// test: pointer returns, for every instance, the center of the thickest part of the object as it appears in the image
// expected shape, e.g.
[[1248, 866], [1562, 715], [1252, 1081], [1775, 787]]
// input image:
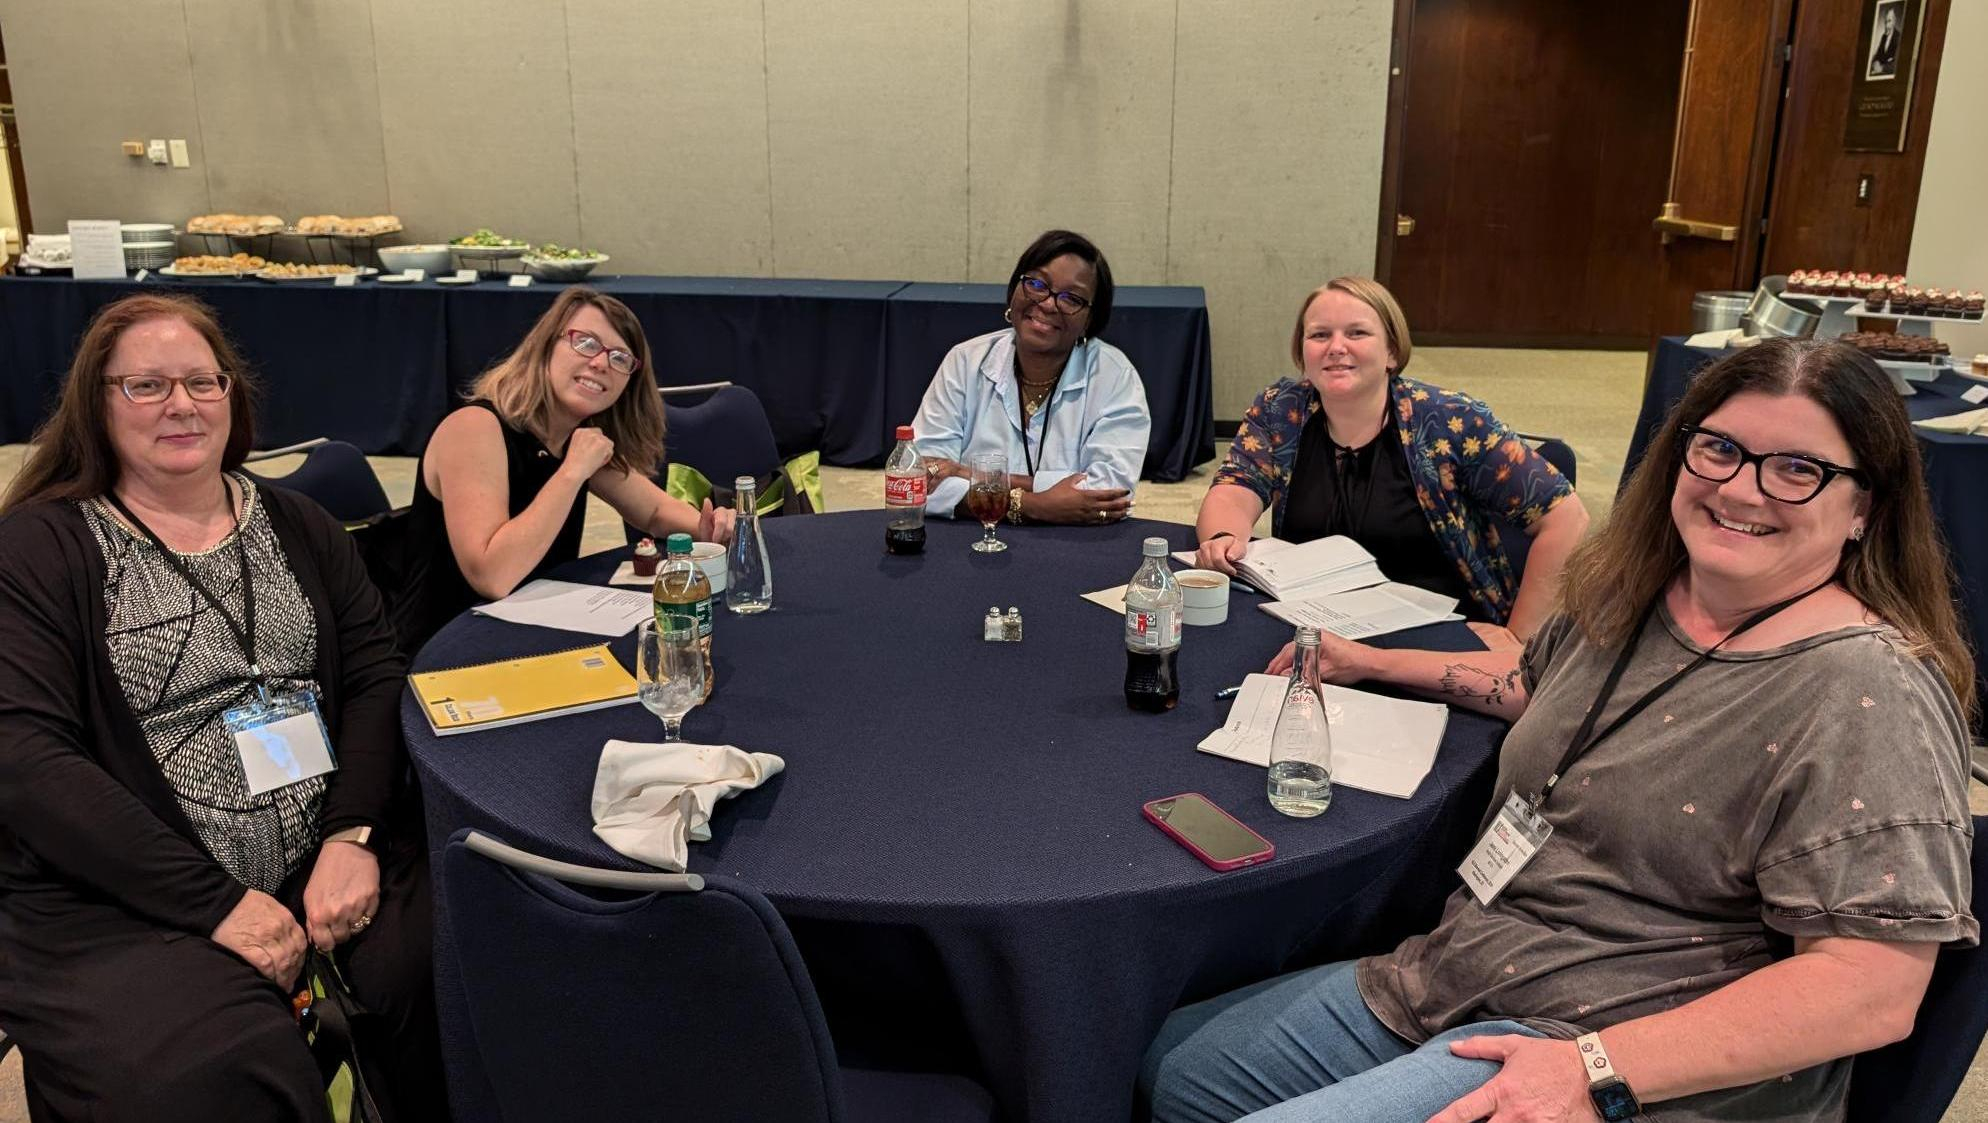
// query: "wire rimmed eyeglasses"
[[1785, 477], [151, 389], [586, 344]]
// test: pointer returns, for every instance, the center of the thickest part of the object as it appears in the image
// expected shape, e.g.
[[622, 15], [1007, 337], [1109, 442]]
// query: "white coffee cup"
[[1204, 595], [710, 557]]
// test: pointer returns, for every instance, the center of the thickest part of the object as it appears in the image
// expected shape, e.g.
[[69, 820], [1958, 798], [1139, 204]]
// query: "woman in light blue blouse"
[[1066, 408]]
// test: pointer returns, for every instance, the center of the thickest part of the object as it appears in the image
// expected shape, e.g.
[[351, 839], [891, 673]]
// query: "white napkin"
[[651, 801], [1973, 421]]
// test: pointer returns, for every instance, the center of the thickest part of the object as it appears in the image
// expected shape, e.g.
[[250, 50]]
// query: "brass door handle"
[[1672, 225], [1404, 225]]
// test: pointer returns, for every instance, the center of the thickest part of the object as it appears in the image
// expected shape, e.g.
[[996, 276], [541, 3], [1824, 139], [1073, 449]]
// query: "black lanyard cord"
[[1581, 743], [244, 632]]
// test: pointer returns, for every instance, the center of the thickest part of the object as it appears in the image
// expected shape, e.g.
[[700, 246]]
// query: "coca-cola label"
[[904, 491]]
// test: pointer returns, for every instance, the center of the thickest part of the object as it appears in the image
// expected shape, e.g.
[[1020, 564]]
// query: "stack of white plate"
[[148, 255], [146, 231]]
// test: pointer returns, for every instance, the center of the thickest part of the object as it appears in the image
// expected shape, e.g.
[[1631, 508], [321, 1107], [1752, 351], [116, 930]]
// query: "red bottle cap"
[[904, 432]]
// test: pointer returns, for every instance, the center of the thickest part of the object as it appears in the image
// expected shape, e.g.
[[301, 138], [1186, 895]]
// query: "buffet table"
[[838, 364]]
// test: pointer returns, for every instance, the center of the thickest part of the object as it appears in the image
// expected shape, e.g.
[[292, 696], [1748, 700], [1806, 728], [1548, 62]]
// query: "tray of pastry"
[[299, 271], [340, 226], [214, 265]]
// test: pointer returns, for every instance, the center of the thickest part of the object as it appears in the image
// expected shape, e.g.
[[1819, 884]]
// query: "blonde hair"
[[519, 385], [1374, 295]]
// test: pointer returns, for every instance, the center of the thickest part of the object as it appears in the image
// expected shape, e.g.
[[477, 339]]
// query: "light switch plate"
[[178, 148]]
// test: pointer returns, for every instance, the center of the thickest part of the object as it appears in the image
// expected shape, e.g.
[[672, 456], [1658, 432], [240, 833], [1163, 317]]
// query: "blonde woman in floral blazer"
[[1413, 472]]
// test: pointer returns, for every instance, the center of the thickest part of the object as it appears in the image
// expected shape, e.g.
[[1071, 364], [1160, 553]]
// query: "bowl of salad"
[[487, 243], [552, 262]]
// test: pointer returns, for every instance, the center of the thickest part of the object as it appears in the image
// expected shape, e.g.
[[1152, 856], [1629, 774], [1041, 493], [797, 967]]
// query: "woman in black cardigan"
[[158, 885]]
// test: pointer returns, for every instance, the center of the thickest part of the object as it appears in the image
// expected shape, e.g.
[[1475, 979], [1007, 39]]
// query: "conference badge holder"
[[281, 740], [1513, 838]]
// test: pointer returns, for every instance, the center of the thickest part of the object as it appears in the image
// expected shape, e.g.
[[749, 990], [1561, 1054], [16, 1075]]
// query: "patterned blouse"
[[180, 667], [1466, 464]]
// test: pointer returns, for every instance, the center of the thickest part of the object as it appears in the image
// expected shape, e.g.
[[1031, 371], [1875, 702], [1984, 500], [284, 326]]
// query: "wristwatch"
[[359, 835], [1610, 1093], [1015, 505]]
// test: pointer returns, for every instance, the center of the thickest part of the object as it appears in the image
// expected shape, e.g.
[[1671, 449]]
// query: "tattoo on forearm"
[[1465, 681]]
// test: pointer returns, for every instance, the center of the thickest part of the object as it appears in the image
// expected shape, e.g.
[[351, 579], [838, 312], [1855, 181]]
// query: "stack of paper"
[[1365, 613], [573, 608], [1379, 744]]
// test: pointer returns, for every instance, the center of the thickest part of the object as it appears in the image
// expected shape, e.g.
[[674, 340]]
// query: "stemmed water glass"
[[670, 670], [987, 497]]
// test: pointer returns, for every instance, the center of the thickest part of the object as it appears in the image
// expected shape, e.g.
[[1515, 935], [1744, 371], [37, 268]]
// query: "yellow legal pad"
[[509, 691]]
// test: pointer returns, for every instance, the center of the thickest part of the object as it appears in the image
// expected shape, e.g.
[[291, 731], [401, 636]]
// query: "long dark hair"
[[1899, 570], [1054, 244], [72, 457], [520, 384]]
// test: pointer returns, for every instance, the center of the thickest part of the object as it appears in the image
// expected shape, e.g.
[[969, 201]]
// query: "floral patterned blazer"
[[1466, 464]]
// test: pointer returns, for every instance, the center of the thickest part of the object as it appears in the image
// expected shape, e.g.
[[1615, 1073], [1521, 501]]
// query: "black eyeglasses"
[[1038, 290], [1785, 477], [588, 345], [151, 389]]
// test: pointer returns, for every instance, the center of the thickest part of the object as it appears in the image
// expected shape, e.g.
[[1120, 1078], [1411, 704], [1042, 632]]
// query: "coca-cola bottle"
[[1152, 633], [904, 497]]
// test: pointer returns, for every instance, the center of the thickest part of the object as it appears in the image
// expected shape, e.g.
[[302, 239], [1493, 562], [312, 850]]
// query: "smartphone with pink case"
[[1209, 833]]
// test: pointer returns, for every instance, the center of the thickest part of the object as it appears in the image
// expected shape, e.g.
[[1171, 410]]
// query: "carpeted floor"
[[1587, 398]]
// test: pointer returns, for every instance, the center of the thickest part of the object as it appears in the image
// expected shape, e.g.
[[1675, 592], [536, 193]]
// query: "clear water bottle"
[[748, 571], [1301, 743], [1152, 633]]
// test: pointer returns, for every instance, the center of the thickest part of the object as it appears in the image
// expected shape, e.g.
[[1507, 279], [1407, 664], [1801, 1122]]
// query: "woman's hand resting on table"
[[1221, 554], [1340, 661], [266, 937], [1072, 505]]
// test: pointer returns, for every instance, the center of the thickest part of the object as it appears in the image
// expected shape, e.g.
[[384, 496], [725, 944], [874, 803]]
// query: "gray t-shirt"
[[1816, 789]]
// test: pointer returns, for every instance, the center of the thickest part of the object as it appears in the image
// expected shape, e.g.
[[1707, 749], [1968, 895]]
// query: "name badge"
[[281, 741], [1513, 838]]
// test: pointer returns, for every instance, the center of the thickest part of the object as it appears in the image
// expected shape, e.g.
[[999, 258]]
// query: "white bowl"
[[562, 268], [434, 260]]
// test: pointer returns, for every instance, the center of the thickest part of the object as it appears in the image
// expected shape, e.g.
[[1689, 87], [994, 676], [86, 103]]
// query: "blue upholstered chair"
[[604, 994], [336, 475], [725, 436]]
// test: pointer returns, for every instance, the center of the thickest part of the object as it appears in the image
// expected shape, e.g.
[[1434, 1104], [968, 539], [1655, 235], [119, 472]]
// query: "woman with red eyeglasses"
[[501, 493]]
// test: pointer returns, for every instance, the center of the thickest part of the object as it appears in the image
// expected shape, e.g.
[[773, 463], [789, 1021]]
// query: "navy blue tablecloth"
[[957, 840], [359, 364], [380, 366], [1163, 330], [1955, 466]]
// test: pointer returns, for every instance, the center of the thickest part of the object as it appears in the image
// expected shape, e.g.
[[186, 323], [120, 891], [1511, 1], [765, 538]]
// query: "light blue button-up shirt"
[[1097, 418]]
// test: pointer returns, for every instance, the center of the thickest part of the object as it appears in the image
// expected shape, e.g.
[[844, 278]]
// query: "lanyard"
[[244, 632], [1581, 743], [1042, 442]]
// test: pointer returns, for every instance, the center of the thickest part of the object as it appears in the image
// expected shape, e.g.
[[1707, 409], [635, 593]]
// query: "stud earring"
[[1857, 533]]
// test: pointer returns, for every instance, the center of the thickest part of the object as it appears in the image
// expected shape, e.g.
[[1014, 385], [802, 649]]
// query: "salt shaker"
[[991, 626]]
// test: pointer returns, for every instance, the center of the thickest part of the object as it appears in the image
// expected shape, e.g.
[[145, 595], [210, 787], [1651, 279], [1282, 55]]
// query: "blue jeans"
[[1304, 1047]]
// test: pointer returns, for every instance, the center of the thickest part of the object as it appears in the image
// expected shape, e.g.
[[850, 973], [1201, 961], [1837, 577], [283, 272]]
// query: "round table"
[[956, 841]]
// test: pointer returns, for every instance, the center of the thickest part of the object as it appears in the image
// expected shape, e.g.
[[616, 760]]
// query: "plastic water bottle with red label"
[[904, 497], [1152, 633]]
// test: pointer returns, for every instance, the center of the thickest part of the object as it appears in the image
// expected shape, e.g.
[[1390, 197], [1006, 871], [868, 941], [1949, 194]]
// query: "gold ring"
[[359, 925]]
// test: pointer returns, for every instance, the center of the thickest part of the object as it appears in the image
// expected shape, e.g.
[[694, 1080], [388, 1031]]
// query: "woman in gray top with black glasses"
[[1730, 830]]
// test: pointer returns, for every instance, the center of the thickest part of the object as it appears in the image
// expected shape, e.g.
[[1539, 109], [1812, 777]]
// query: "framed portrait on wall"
[[1881, 87]]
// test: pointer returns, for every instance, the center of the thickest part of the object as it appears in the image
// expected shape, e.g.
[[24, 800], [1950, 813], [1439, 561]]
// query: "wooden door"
[[1529, 142], [1728, 106]]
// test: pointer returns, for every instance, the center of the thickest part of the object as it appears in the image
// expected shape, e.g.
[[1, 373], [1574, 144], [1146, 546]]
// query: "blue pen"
[[1227, 693]]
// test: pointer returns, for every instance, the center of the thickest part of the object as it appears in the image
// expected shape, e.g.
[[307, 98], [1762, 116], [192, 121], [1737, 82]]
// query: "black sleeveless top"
[[435, 590]]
